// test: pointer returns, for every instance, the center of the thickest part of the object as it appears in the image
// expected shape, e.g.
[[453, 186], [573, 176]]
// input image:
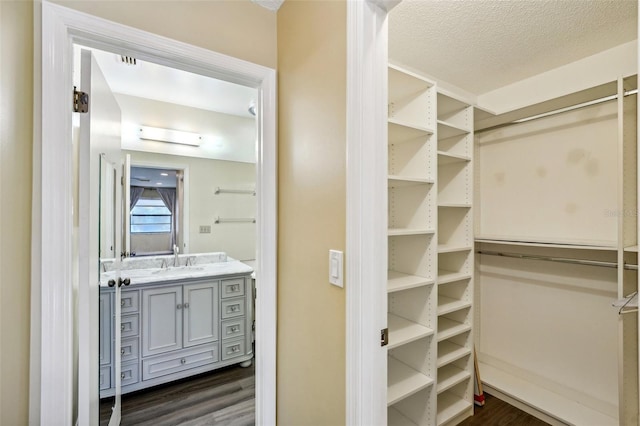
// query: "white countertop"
[[153, 275]]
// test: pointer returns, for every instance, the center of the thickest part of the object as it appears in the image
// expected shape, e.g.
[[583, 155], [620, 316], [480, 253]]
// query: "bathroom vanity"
[[176, 321]]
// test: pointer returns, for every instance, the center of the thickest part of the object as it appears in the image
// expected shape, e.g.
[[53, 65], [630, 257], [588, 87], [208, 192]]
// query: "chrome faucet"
[[176, 250]]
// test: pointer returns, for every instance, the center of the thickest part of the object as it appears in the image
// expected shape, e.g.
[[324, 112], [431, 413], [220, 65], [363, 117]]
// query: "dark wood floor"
[[496, 412], [227, 397], [222, 397]]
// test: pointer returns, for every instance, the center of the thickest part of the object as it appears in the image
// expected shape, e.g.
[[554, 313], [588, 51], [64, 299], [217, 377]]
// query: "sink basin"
[[178, 270]]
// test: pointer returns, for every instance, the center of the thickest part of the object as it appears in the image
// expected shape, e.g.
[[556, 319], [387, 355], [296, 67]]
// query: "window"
[[150, 215]]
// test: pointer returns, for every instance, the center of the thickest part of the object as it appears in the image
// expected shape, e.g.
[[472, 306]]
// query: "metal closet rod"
[[558, 259], [559, 111]]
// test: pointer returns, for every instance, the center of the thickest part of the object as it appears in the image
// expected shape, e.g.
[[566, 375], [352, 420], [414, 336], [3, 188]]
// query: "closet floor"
[[496, 412], [222, 397]]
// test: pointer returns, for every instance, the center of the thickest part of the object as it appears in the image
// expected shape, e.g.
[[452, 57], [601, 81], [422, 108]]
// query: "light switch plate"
[[336, 268]]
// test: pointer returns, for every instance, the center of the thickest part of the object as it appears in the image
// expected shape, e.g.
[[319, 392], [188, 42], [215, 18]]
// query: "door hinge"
[[384, 337], [80, 101]]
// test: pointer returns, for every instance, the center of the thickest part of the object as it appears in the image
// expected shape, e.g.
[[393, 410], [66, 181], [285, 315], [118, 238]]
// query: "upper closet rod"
[[559, 111], [558, 259]]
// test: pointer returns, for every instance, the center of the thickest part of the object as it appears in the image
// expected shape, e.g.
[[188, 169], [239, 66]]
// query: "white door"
[[126, 212], [100, 204]]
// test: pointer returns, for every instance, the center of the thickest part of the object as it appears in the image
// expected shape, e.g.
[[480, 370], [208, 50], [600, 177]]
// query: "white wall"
[[225, 137], [204, 176]]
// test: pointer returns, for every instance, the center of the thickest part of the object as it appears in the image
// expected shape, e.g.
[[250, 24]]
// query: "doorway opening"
[[187, 257]]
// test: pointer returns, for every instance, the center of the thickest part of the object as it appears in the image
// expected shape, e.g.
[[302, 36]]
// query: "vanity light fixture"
[[169, 135]]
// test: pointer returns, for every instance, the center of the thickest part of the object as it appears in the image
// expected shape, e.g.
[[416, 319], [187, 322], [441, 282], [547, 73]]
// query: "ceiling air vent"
[[128, 60]]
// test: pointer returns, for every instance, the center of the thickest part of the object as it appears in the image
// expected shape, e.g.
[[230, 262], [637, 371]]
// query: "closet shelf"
[[397, 281], [395, 181], [449, 130], [449, 376], [403, 381], [448, 158], [447, 305], [455, 205], [450, 405], [443, 248], [445, 276], [447, 328], [449, 352], [402, 331], [403, 83], [448, 104], [392, 232], [400, 131], [396, 418]]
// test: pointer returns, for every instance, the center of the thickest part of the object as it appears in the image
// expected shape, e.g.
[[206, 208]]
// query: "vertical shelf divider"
[[455, 239]]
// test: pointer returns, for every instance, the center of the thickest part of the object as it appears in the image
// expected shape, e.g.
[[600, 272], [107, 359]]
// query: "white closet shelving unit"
[[455, 260], [430, 258], [412, 299]]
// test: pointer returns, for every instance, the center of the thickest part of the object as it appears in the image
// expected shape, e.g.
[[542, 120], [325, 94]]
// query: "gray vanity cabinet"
[[162, 321], [178, 317], [172, 330]]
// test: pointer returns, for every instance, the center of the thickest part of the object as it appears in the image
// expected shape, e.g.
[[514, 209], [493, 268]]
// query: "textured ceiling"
[[482, 45]]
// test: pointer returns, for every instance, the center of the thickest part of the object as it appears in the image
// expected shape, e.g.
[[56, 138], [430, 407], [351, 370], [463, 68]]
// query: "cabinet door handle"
[[183, 361], [122, 302], [122, 376], [122, 327], [121, 351], [179, 306], [186, 305]]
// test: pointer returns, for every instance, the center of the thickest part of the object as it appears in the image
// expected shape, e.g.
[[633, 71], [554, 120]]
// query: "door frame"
[[366, 234], [53, 382]]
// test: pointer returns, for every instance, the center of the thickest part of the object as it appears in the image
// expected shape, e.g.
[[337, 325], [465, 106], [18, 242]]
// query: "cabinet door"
[[105, 328], [161, 320], [200, 313]]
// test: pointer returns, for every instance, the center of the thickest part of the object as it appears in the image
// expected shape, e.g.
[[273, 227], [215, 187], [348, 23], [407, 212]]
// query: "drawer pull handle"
[[122, 327], [122, 376], [122, 302], [234, 308], [235, 287], [235, 328], [121, 351], [183, 361]]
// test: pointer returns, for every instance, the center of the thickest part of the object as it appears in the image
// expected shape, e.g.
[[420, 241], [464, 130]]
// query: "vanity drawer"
[[232, 349], [233, 328], [232, 287], [129, 326], [175, 362], [129, 374], [129, 349], [129, 302], [105, 377], [232, 308]]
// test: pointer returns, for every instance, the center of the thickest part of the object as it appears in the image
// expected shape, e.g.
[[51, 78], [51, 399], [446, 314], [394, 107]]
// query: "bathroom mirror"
[[202, 205]]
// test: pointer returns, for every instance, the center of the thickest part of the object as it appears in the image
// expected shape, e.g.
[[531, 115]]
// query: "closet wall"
[[563, 186]]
